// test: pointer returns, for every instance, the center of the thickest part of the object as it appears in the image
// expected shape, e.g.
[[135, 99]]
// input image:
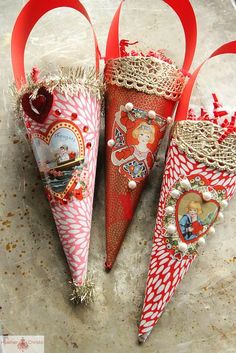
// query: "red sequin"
[[57, 112], [85, 129], [74, 116], [88, 145]]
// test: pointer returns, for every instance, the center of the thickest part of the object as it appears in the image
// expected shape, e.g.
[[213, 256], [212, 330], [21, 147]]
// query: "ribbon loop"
[[185, 12], [182, 110], [27, 19]]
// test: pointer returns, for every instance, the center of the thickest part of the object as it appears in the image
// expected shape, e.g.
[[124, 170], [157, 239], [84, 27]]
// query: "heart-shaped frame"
[[177, 203], [60, 154], [194, 216]]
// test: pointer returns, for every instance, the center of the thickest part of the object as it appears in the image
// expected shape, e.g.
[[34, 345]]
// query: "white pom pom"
[[151, 114], [170, 210], [175, 193], [132, 184], [207, 195], [171, 229], [211, 231], [220, 216], [182, 246], [185, 184], [111, 143], [129, 106], [169, 120], [201, 241], [224, 203]]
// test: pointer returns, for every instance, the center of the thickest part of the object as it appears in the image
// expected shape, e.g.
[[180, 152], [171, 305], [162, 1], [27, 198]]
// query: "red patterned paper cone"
[[141, 93], [199, 180], [62, 117]]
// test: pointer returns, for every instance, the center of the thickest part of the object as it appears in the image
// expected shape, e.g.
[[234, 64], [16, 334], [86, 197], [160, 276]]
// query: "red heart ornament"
[[194, 216], [38, 108]]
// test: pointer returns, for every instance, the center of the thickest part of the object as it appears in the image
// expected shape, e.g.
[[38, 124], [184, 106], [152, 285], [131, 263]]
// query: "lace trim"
[[199, 139], [146, 74]]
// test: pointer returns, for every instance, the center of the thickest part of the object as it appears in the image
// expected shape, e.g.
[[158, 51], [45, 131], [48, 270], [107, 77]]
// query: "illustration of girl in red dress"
[[136, 140]]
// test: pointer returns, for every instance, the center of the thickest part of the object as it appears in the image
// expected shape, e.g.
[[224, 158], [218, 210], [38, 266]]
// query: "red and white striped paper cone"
[[62, 117], [199, 180]]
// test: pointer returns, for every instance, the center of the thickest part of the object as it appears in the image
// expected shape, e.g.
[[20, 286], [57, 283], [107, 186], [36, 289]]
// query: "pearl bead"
[[129, 106], [201, 241], [175, 193], [170, 210], [224, 203], [132, 184], [182, 246], [211, 231], [220, 216], [111, 143], [151, 114], [185, 184], [169, 120], [207, 196], [171, 229]]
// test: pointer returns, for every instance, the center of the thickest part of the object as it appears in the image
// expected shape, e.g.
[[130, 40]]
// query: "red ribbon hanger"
[[182, 110], [185, 12], [24, 24]]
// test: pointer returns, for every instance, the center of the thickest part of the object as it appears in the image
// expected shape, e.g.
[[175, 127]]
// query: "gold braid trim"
[[69, 81], [199, 139], [146, 74]]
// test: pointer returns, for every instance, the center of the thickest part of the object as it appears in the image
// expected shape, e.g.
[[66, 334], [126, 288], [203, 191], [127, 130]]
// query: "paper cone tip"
[[108, 266], [83, 294], [142, 338]]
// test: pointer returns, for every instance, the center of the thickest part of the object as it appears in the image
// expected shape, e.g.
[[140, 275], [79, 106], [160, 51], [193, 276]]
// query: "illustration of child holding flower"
[[190, 223]]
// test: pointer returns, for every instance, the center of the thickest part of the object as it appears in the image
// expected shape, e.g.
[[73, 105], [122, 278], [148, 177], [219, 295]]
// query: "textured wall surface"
[[33, 271]]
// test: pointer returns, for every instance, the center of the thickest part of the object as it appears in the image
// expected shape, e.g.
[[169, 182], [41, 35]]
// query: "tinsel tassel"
[[83, 294]]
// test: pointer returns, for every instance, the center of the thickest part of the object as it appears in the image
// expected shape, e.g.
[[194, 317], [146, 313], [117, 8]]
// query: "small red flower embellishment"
[[79, 194], [72, 155]]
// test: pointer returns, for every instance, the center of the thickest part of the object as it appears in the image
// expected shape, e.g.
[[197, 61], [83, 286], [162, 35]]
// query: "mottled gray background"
[[33, 285]]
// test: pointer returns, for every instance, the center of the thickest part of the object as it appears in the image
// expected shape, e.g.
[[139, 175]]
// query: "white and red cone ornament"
[[142, 90], [198, 182], [62, 117]]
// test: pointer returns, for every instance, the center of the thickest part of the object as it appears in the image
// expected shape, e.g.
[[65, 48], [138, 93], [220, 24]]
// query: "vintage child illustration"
[[195, 216], [60, 155], [137, 139], [191, 224]]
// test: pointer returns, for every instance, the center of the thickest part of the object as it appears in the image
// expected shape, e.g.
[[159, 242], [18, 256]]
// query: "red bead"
[[74, 116], [28, 124], [88, 145], [57, 112], [85, 128]]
